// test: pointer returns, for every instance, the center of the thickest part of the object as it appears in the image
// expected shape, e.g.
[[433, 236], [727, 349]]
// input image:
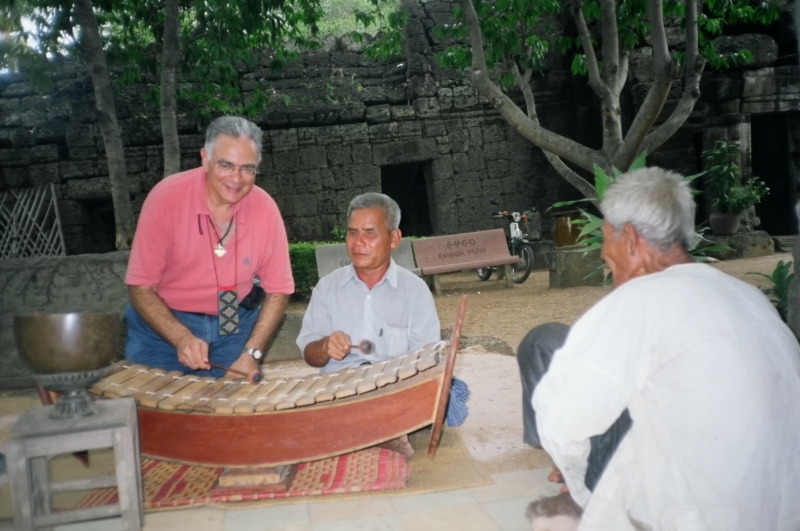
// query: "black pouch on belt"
[[254, 299]]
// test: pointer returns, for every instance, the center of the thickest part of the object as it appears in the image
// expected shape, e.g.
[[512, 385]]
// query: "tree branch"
[[608, 26], [622, 78], [545, 139], [523, 82], [695, 63], [666, 70], [586, 41]]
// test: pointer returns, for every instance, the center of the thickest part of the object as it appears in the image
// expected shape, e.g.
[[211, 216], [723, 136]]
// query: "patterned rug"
[[174, 485]]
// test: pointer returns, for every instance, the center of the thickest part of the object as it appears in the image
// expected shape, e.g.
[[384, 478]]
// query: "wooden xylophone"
[[173, 391], [233, 423]]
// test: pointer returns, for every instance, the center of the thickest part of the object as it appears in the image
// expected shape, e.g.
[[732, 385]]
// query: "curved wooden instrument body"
[[247, 435]]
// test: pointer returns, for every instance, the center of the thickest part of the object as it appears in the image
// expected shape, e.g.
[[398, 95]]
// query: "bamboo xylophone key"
[[221, 396], [370, 381], [131, 387], [152, 400], [349, 386], [276, 395], [291, 399], [202, 396], [430, 356], [258, 396], [320, 383], [117, 378], [389, 375], [185, 394], [162, 380], [328, 393], [236, 398], [409, 366]]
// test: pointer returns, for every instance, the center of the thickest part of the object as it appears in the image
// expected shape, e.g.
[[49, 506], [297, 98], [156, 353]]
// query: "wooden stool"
[[37, 437]]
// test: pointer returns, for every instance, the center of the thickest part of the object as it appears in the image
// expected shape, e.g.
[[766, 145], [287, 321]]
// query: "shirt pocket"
[[398, 340]]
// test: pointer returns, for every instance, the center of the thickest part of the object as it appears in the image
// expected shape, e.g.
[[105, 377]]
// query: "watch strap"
[[256, 353]]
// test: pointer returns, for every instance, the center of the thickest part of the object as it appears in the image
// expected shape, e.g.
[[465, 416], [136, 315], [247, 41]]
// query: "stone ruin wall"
[[336, 117]]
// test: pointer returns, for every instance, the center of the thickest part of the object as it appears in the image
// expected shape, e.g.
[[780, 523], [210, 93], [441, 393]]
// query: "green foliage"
[[516, 30], [389, 20], [304, 268], [216, 38], [339, 17], [701, 246], [728, 193], [339, 234], [778, 292]]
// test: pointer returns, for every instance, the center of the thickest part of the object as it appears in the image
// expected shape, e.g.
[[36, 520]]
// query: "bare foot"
[[401, 446], [555, 476]]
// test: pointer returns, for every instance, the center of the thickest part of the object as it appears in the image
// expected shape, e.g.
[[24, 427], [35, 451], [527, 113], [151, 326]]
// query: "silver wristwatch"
[[257, 354]]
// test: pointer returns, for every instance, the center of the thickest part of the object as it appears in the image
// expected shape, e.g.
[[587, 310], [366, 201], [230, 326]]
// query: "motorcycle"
[[519, 243]]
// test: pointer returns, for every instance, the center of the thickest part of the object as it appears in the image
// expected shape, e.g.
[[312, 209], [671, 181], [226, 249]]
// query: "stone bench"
[[457, 252], [332, 256]]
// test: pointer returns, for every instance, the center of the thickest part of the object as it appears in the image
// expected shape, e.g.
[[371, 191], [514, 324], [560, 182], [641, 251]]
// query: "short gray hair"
[[234, 127], [391, 210], [657, 202]]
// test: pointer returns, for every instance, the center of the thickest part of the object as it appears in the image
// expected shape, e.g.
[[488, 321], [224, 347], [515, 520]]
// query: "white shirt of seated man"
[[371, 299]]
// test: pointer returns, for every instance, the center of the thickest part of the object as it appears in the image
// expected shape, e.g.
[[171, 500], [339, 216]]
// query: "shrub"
[[304, 268], [728, 192], [778, 292]]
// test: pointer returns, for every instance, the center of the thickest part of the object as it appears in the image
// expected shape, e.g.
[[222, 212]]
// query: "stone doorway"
[[406, 184], [772, 162]]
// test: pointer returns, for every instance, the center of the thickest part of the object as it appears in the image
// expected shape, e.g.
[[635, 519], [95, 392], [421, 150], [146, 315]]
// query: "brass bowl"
[[66, 342]]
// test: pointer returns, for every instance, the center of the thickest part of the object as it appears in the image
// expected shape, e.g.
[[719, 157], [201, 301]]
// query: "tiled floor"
[[498, 507]]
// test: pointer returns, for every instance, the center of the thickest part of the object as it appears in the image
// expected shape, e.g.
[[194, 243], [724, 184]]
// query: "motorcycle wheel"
[[484, 273], [522, 270]]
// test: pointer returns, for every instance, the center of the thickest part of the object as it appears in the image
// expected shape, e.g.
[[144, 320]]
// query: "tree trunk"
[[169, 109], [107, 118]]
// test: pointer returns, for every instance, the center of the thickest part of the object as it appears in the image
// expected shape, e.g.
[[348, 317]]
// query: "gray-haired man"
[[372, 298], [202, 238], [674, 402]]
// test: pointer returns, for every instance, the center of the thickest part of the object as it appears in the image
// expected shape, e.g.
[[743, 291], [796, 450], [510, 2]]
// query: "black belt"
[[253, 300]]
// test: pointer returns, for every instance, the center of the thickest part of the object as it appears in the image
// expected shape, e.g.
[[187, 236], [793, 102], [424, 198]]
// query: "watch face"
[[257, 354]]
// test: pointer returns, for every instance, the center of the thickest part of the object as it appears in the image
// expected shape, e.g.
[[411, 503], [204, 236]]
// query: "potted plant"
[[730, 196]]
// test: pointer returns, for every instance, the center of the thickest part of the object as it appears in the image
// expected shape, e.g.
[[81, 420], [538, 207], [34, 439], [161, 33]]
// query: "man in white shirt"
[[371, 299], [701, 361]]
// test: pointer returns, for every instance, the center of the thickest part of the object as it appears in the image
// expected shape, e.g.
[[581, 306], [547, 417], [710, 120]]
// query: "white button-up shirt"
[[711, 377], [398, 314]]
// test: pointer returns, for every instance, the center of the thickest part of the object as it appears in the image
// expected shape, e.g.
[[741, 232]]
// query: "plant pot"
[[724, 224], [565, 234]]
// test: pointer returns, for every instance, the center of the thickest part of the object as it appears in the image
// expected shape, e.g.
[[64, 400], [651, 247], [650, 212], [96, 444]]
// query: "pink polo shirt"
[[173, 246]]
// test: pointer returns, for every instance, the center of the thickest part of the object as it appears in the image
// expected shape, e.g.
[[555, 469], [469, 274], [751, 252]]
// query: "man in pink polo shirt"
[[202, 238]]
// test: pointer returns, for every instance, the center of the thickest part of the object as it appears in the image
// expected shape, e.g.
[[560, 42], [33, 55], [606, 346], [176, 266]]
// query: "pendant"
[[219, 250]]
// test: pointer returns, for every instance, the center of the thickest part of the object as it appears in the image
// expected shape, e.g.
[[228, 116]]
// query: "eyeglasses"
[[226, 168]]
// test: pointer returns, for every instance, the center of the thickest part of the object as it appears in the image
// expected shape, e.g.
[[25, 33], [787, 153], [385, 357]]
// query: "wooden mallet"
[[254, 378], [366, 347]]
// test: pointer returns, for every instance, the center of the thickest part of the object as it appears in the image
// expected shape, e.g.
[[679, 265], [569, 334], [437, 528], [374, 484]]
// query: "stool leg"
[[42, 499], [19, 480], [138, 455], [130, 494]]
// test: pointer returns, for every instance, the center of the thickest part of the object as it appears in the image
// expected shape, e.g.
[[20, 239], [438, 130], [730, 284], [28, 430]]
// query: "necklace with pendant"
[[219, 250]]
